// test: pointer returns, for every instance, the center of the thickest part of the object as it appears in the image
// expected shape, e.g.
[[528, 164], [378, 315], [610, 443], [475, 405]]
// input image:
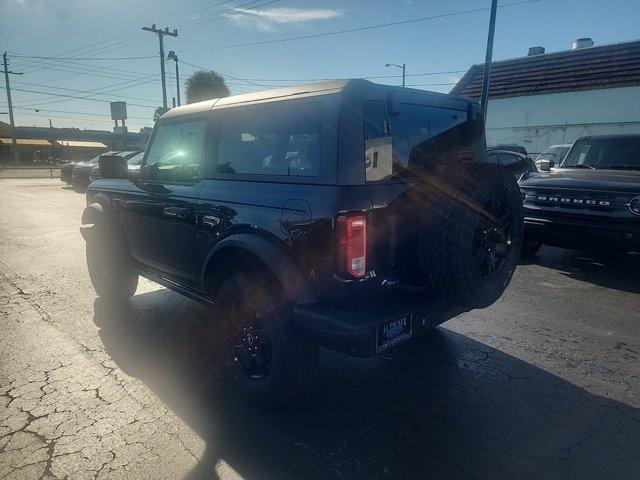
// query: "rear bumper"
[[576, 232], [353, 329]]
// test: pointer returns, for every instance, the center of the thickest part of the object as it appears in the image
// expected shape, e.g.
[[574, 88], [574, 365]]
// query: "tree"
[[205, 85], [146, 130], [159, 112]]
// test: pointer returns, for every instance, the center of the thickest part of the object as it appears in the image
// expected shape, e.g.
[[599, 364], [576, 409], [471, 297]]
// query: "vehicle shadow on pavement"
[[446, 407], [618, 273]]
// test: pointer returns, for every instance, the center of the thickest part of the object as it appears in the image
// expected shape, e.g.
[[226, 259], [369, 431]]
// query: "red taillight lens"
[[353, 239]]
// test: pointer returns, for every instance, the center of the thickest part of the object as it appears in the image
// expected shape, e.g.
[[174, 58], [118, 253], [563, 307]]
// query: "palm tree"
[[204, 85]]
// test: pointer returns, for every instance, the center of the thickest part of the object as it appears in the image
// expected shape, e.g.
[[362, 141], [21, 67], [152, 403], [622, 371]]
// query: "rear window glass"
[[412, 139], [271, 141]]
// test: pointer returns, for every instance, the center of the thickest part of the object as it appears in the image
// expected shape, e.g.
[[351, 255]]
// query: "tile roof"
[[606, 66]]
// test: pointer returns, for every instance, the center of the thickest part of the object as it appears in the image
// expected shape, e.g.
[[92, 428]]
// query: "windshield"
[[617, 153], [555, 154]]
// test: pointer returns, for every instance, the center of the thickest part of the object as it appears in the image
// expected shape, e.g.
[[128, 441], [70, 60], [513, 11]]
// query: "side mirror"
[[544, 165], [112, 166]]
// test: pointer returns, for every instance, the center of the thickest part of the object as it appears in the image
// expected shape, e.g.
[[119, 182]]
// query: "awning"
[[79, 144], [26, 141]]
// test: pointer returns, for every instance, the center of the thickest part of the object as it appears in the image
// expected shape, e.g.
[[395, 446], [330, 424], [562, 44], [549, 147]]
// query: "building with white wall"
[[552, 98]]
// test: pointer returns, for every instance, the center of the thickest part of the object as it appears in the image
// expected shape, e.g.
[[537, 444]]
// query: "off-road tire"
[[108, 262], [453, 211], [530, 248], [293, 358]]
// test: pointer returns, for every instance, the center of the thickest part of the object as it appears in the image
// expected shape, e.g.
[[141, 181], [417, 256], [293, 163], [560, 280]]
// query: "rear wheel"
[[266, 358]]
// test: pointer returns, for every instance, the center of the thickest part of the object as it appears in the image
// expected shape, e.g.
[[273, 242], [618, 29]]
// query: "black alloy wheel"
[[493, 237], [249, 342]]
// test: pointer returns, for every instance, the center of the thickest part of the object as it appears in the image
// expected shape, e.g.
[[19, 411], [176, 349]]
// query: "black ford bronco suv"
[[346, 214], [591, 202]]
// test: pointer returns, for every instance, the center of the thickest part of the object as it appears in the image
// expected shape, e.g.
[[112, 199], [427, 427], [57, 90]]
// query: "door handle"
[[175, 212]]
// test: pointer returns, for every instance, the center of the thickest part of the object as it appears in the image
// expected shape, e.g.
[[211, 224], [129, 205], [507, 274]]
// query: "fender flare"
[[294, 284], [92, 215]]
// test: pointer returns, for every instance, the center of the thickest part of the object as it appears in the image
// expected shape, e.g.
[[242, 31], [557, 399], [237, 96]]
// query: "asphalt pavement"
[[544, 384]]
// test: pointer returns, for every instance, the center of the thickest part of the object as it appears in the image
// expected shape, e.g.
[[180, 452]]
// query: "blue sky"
[[105, 29]]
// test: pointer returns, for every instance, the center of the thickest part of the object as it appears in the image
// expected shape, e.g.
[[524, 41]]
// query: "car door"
[[159, 212]]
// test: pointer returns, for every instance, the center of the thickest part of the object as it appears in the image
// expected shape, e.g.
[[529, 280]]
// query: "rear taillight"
[[353, 242]]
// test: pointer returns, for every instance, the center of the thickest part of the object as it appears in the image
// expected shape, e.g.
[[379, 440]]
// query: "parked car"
[[553, 155], [343, 214], [80, 171], [515, 163], [66, 171], [134, 159], [591, 201]]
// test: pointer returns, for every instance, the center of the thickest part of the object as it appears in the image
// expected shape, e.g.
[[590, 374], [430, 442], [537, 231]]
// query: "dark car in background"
[[591, 201], [66, 171], [80, 172], [515, 163], [133, 165]]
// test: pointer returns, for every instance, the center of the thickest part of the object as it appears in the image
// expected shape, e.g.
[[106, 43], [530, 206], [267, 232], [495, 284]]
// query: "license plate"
[[393, 332]]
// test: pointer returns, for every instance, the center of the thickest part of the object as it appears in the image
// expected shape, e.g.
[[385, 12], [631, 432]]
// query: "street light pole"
[[488, 58], [404, 70]]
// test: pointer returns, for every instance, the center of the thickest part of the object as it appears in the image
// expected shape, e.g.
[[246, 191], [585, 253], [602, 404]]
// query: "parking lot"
[[544, 384]]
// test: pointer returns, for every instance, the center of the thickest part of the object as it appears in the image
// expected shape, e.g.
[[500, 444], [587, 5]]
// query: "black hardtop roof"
[[332, 87]]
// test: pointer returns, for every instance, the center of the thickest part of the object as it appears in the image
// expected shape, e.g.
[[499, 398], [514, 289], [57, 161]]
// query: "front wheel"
[[266, 358], [107, 258]]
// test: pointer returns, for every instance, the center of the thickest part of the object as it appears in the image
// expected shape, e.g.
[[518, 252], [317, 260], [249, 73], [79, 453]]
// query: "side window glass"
[[271, 141], [425, 136], [492, 158], [176, 152], [378, 145], [419, 137]]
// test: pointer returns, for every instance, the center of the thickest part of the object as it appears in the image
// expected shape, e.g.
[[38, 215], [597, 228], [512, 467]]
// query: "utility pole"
[[488, 58], [161, 33], [172, 56], [7, 72]]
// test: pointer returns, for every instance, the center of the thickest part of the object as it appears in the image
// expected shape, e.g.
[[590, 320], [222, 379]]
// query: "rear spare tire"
[[470, 234]]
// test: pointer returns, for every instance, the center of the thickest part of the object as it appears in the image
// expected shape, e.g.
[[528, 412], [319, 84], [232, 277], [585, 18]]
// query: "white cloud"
[[268, 19]]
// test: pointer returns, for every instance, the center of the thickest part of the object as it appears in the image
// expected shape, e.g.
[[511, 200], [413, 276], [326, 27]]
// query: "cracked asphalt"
[[544, 384]]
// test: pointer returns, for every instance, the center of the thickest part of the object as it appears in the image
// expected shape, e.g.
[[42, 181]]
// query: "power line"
[[361, 29], [39, 57], [321, 79], [224, 75], [37, 110], [74, 97], [82, 91], [129, 84]]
